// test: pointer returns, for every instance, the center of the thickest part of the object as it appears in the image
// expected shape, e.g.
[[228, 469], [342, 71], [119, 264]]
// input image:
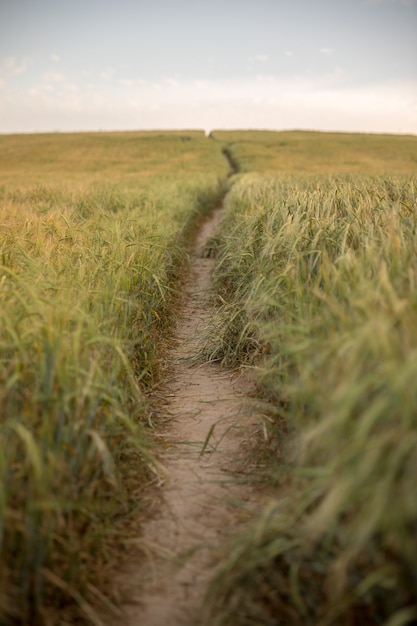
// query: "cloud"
[[259, 58], [71, 87], [107, 74], [54, 77], [55, 58], [262, 101], [172, 82], [326, 51], [12, 66], [289, 53]]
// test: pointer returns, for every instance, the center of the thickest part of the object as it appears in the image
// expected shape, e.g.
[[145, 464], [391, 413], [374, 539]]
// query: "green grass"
[[316, 276], [94, 233]]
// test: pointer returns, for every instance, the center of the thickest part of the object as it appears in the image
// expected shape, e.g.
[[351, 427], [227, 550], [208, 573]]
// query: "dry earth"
[[204, 494]]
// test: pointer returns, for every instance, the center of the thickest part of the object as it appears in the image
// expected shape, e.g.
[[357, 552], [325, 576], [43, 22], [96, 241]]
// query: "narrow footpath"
[[204, 495]]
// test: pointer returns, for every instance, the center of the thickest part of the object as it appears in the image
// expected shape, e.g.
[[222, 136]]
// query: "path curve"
[[204, 495]]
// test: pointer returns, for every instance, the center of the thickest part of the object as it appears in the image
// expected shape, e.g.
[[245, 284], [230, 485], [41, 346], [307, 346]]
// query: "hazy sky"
[[276, 64]]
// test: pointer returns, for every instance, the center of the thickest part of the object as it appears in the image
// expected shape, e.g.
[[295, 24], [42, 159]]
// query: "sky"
[[343, 65]]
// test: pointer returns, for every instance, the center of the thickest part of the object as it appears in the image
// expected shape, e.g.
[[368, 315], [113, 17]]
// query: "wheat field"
[[315, 280]]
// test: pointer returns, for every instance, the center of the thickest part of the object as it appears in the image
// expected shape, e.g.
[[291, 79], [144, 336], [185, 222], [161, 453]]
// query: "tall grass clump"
[[319, 274], [89, 260]]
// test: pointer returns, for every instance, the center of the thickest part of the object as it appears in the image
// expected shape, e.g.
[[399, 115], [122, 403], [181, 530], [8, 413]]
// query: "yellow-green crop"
[[315, 152], [93, 232], [318, 274]]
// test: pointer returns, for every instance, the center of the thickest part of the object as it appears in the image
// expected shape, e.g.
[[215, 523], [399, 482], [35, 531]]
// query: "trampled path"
[[204, 495]]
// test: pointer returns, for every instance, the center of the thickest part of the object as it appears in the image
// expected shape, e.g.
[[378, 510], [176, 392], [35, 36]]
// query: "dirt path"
[[204, 495]]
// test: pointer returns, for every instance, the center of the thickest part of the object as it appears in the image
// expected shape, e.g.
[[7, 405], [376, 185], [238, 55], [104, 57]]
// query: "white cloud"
[[12, 66], [335, 76], [172, 82], [261, 57], [55, 58], [42, 94], [265, 78], [127, 82], [326, 51], [54, 77], [264, 101], [71, 87], [107, 74], [289, 53]]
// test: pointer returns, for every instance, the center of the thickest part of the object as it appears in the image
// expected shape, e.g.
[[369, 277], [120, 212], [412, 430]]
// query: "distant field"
[[317, 277], [315, 152], [90, 156]]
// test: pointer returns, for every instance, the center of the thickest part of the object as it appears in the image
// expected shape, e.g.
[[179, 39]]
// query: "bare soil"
[[205, 493]]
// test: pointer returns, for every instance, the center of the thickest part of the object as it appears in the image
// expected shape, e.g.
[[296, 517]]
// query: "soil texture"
[[205, 494]]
